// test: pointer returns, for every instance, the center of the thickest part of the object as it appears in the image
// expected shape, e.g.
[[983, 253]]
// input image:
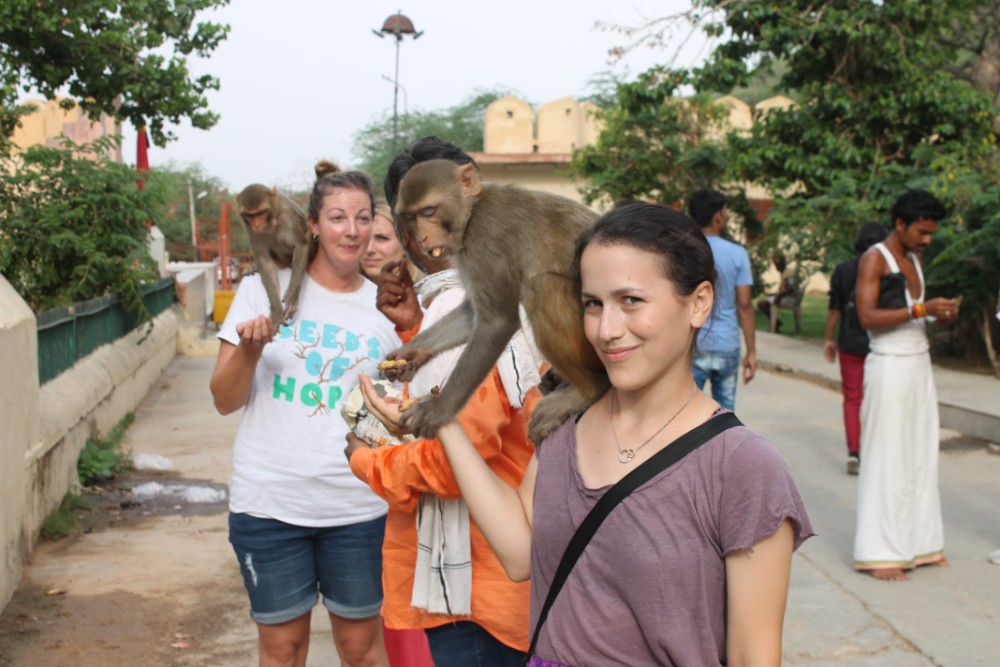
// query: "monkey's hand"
[[290, 309], [412, 357]]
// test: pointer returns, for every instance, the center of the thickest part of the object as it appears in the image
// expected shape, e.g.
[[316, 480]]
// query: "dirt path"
[[124, 594], [156, 571]]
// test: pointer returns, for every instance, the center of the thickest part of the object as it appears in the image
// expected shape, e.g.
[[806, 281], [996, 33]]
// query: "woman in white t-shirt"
[[302, 526]]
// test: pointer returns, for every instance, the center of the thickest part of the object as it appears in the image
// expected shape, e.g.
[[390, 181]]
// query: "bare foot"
[[889, 574], [941, 563]]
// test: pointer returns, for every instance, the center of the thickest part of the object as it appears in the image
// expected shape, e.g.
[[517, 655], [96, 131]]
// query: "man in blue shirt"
[[717, 356]]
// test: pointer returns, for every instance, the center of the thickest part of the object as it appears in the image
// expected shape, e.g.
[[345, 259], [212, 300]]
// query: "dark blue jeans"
[[722, 369], [466, 644]]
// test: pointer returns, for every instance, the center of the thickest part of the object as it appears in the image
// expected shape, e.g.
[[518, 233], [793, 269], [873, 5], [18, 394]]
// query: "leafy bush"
[[61, 521], [101, 460], [73, 225]]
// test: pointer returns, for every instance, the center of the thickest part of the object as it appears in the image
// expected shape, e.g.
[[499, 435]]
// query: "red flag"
[[141, 157]]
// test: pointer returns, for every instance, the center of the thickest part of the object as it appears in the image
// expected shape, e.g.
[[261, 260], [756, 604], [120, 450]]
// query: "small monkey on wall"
[[511, 246], [279, 235]]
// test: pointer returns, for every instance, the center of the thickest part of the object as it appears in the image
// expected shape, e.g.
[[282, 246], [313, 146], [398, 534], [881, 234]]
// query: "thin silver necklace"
[[625, 456]]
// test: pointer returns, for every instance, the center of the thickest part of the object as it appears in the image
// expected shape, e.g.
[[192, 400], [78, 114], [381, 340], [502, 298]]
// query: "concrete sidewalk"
[[969, 402]]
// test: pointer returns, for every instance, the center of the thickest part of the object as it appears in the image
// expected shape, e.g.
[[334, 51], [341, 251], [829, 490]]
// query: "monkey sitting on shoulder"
[[279, 235], [511, 246]]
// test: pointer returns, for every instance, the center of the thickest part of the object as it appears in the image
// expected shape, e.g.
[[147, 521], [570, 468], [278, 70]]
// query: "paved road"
[[943, 617]]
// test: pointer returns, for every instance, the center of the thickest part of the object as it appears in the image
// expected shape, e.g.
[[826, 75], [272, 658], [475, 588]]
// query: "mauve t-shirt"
[[650, 587]]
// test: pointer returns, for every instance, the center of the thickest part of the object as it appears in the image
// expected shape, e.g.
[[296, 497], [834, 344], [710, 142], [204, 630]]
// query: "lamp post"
[[398, 26], [194, 220]]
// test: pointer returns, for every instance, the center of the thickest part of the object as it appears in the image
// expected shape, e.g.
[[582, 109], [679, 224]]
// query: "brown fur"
[[279, 235], [511, 246]]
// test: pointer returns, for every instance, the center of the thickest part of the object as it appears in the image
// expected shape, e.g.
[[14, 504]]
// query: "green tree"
[[207, 193], [74, 226], [891, 95], [656, 145], [461, 124], [126, 58], [653, 144]]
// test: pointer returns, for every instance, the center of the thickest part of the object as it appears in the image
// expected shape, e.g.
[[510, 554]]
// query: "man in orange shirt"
[[483, 619]]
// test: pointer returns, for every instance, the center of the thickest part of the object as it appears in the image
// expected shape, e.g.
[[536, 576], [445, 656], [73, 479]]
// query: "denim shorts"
[[287, 568]]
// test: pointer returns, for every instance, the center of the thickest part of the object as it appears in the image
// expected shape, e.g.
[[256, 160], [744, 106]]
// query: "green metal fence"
[[70, 333]]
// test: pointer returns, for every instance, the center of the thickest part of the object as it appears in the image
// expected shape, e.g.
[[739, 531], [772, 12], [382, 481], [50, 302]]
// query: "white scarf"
[[442, 581]]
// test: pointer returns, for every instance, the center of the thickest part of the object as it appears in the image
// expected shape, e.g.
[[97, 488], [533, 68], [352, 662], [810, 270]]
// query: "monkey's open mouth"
[[437, 252]]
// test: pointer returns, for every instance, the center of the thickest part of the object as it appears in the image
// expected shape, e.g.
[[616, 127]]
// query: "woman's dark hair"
[[329, 177], [421, 150], [869, 234], [687, 257]]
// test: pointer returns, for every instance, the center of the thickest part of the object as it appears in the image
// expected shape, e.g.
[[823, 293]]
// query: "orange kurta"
[[400, 473]]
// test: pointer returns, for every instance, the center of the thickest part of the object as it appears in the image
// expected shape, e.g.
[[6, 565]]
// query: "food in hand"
[[389, 364]]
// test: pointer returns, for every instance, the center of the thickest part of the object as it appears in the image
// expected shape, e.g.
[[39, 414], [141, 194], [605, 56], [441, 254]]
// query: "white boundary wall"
[[45, 428]]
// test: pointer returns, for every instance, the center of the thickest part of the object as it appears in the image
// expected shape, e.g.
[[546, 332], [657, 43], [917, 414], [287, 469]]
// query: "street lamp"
[[398, 26]]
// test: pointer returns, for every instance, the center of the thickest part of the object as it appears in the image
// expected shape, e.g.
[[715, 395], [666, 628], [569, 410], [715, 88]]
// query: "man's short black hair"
[[915, 205], [421, 150], [704, 204]]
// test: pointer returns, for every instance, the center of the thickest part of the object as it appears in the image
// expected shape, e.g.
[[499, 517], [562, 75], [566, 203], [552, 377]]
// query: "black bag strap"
[[649, 469]]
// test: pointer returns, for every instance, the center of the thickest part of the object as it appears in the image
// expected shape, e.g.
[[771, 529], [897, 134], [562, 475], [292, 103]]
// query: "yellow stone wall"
[[45, 125]]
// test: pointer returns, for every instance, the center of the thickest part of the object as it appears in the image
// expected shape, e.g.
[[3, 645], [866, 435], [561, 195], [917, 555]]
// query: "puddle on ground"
[[159, 496], [146, 493], [178, 492]]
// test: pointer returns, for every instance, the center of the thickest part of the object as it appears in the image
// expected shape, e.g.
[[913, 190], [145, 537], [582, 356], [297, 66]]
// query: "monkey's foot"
[[553, 410], [411, 401], [428, 415]]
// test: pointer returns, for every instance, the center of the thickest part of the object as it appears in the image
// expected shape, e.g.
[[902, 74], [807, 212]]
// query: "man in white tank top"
[[899, 509]]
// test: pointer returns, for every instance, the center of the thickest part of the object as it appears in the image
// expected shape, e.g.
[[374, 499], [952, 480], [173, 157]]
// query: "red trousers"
[[852, 381], [407, 648]]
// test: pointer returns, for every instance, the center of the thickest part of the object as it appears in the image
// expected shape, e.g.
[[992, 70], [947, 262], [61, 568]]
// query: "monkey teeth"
[[437, 252]]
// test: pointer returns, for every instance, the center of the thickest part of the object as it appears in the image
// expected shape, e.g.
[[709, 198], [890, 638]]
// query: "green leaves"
[[654, 144], [74, 228], [891, 95], [109, 54]]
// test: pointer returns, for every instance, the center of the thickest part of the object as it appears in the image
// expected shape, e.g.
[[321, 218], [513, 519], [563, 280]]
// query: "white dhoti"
[[899, 507]]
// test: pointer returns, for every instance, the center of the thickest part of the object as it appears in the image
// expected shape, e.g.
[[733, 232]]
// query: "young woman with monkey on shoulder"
[[302, 526], [691, 565]]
